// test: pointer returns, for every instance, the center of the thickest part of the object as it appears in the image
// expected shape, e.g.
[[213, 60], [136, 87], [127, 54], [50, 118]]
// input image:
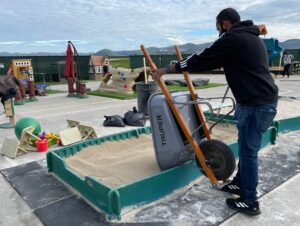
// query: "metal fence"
[[160, 60], [43, 65], [163, 60]]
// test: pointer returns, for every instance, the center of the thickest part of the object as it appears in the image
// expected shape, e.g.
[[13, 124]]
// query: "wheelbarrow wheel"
[[218, 157]]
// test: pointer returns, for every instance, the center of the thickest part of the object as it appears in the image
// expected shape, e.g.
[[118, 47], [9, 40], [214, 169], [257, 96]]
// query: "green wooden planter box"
[[112, 200], [148, 189], [289, 124]]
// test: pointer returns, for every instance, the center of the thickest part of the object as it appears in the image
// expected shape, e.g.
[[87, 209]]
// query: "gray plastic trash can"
[[144, 91]]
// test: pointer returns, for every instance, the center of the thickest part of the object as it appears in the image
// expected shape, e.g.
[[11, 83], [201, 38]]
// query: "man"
[[8, 87], [287, 61], [244, 58]]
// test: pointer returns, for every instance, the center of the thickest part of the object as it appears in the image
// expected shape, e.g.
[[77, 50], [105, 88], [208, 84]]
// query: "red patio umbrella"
[[69, 66], [69, 69]]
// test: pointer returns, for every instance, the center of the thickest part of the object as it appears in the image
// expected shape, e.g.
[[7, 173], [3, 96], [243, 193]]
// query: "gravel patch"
[[287, 108]]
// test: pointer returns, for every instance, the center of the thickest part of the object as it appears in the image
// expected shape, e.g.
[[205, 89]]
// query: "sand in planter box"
[[115, 163], [225, 132]]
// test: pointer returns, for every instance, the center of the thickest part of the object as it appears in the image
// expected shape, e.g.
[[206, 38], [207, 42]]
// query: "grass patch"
[[133, 96], [53, 91], [121, 62], [112, 95], [185, 88], [61, 82], [49, 83]]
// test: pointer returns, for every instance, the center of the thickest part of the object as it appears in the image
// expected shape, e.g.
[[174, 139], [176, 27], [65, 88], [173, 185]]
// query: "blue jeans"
[[252, 122]]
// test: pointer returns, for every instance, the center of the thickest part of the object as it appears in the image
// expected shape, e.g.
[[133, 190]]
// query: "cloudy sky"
[[39, 26]]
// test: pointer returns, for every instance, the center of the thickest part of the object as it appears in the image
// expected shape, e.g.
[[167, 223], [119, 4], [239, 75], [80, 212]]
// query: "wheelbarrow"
[[180, 130]]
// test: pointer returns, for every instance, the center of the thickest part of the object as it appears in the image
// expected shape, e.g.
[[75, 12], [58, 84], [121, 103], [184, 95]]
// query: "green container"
[[27, 122], [112, 200]]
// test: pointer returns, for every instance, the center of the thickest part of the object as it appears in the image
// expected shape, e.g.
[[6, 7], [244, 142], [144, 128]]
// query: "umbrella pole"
[[145, 70], [70, 87]]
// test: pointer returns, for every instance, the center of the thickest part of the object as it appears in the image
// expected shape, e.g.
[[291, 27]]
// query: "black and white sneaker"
[[232, 188], [244, 207]]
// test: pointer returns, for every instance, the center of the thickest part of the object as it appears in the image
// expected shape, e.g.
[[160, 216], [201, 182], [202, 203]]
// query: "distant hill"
[[290, 44], [31, 54], [38, 54], [105, 52], [188, 48]]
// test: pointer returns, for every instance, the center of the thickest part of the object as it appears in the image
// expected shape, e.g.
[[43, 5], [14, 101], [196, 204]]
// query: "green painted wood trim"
[[289, 124], [158, 185], [112, 200]]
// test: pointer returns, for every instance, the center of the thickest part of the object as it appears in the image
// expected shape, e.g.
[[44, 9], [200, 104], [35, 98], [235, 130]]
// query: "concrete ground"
[[53, 110]]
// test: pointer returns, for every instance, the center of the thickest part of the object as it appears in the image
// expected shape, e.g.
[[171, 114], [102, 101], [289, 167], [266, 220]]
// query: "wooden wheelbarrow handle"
[[181, 121], [194, 97], [262, 29], [160, 82], [148, 58]]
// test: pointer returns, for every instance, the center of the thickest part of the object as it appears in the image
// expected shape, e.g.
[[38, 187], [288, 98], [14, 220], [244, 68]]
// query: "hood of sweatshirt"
[[245, 26]]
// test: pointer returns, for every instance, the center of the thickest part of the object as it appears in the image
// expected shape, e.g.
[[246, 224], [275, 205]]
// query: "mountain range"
[[187, 48]]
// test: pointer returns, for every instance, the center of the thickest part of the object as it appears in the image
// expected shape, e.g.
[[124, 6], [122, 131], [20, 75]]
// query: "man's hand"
[[262, 29], [156, 74]]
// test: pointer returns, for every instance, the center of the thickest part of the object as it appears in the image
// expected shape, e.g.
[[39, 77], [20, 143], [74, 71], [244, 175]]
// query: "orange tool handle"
[[194, 97], [148, 58], [181, 121], [160, 82]]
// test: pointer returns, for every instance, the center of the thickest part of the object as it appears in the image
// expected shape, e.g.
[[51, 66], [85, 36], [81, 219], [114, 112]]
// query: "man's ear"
[[226, 24]]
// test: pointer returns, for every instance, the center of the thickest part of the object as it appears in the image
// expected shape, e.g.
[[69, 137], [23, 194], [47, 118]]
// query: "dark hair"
[[229, 14]]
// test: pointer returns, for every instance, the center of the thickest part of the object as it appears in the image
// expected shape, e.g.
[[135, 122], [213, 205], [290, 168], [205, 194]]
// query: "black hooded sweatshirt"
[[244, 58]]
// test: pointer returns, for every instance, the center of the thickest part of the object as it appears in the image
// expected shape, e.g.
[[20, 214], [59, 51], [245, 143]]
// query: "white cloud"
[[11, 42], [284, 31], [175, 40], [119, 24], [51, 41]]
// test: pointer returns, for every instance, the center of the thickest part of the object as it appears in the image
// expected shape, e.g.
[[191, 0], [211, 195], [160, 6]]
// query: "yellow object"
[[22, 68], [52, 136]]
